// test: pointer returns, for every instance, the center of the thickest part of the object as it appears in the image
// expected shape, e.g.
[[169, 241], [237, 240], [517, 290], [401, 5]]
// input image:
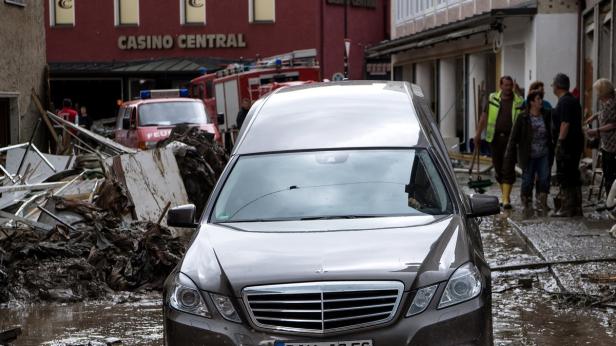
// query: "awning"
[[477, 24], [141, 67]]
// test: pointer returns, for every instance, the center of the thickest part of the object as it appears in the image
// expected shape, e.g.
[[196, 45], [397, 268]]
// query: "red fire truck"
[[223, 91]]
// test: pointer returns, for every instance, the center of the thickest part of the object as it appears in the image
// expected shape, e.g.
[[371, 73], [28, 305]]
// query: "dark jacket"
[[521, 138]]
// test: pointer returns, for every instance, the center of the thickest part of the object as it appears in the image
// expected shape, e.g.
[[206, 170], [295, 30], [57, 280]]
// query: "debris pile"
[[84, 225], [200, 159]]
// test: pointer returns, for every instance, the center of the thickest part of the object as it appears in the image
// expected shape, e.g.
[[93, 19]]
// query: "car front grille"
[[323, 307]]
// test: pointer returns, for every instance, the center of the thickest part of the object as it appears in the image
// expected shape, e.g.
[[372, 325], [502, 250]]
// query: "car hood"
[[417, 251]]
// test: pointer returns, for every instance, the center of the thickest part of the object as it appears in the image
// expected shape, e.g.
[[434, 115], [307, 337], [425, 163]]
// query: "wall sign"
[[355, 3], [184, 41], [21, 3]]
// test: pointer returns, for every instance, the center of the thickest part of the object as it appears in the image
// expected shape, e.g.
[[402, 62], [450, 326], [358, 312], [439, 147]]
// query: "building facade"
[[122, 46], [596, 48], [22, 67], [451, 48]]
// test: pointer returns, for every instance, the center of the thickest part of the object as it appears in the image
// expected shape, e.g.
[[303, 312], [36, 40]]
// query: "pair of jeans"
[[504, 169], [539, 167]]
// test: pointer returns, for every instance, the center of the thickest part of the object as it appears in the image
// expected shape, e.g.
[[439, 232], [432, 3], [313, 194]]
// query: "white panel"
[[232, 103], [219, 92]]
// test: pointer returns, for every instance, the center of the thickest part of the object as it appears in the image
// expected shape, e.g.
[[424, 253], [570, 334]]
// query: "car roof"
[[348, 114], [159, 100]]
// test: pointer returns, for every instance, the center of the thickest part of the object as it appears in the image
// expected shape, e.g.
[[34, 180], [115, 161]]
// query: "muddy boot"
[[577, 201], [527, 205], [567, 208], [558, 201], [543, 204]]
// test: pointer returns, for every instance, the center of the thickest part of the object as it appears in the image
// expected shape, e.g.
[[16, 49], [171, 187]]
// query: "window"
[[126, 12], [332, 184], [192, 11], [262, 11], [62, 12], [158, 114]]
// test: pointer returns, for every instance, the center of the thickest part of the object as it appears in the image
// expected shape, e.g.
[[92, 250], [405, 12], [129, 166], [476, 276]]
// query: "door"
[[5, 122]]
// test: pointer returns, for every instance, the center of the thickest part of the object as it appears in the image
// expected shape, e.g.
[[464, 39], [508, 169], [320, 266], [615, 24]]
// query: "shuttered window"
[[192, 11], [263, 10], [127, 12], [62, 12]]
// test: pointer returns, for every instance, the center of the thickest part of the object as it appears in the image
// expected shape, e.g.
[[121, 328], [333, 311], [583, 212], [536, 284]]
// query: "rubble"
[[83, 226], [200, 159]]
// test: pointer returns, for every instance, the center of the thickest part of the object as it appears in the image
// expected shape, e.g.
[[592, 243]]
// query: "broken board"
[[152, 178]]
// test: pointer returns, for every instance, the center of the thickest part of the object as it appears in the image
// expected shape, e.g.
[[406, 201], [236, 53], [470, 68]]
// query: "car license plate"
[[326, 343]]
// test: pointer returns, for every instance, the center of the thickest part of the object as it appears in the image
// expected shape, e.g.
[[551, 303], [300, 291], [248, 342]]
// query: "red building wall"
[[300, 24]]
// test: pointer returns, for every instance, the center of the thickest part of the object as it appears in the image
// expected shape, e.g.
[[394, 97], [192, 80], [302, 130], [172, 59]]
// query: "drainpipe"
[[322, 39]]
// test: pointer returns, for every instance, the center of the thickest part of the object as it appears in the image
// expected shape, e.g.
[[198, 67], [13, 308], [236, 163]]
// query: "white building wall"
[[447, 101], [477, 71], [556, 37], [425, 79]]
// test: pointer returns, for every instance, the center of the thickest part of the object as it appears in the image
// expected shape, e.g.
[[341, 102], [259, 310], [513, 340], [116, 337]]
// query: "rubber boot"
[[527, 205], [506, 195], [543, 203], [567, 208], [558, 201], [577, 201]]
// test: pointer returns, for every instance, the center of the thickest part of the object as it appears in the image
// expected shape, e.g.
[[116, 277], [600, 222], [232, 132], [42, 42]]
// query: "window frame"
[[53, 17], [184, 20], [251, 13], [117, 15]]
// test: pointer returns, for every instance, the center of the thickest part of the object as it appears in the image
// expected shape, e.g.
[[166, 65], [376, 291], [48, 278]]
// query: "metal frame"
[[323, 287]]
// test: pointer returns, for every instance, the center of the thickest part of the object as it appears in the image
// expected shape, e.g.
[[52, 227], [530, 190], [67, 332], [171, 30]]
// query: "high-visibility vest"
[[494, 107]]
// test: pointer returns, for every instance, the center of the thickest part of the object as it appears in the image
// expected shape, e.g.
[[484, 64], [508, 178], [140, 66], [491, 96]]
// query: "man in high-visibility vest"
[[497, 119]]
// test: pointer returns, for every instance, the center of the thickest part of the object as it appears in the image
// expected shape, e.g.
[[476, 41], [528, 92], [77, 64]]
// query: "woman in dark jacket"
[[531, 140]]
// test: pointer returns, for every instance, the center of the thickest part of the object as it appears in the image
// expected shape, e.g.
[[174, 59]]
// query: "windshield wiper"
[[332, 217]]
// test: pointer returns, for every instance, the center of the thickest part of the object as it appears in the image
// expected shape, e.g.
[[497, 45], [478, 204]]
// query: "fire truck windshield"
[[172, 113]]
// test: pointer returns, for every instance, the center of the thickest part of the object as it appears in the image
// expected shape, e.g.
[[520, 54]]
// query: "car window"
[[332, 184], [171, 113]]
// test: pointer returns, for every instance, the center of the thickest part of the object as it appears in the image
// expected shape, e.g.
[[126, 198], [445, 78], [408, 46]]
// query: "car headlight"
[[465, 284], [184, 296], [225, 307], [422, 299]]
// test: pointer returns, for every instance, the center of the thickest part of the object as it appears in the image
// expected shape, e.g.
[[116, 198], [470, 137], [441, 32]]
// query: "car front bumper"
[[468, 323]]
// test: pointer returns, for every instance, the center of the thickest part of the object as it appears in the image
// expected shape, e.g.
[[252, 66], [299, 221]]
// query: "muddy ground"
[[527, 308]]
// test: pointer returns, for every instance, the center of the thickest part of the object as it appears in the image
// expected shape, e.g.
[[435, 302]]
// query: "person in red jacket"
[[67, 112]]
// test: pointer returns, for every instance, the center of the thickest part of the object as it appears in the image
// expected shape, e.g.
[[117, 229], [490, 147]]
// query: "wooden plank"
[[39, 106], [153, 180], [98, 138]]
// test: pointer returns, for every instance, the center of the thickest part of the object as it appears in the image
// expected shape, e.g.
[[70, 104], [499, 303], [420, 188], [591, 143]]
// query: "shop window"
[[62, 12], [126, 12], [262, 11], [192, 11]]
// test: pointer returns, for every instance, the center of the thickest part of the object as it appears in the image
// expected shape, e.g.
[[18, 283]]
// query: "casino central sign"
[[183, 41]]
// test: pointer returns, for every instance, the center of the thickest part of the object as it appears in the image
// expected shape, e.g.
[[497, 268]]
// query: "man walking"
[[497, 119], [568, 149]]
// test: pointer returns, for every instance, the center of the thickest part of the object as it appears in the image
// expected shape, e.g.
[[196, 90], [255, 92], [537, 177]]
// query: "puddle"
[[137, 323]]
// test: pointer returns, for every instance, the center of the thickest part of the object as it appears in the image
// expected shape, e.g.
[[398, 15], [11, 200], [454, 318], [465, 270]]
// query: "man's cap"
[[561, 81]]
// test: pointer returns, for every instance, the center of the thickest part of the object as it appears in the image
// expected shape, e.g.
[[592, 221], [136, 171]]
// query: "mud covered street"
[[528, 305]]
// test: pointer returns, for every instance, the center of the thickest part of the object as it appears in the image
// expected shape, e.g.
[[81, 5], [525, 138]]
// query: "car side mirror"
[[221, 118], [483, 205], [125, 123], [182, 216]]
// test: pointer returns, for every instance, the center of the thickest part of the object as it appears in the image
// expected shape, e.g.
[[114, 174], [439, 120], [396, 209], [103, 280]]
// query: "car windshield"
[[330, 185], [172, 113]]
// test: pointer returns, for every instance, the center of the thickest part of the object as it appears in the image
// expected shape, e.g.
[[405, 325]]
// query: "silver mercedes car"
[[337, 222]]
